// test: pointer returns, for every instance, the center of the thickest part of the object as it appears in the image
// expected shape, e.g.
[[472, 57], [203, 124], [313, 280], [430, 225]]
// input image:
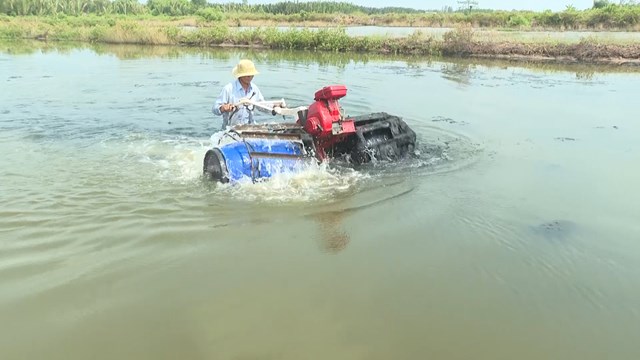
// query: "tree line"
[[604, 14], [184, 7]]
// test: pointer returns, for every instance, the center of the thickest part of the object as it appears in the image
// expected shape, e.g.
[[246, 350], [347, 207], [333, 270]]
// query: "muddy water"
[[513, 233]]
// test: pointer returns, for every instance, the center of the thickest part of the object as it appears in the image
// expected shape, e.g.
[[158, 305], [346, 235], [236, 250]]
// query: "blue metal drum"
[[253, 159]]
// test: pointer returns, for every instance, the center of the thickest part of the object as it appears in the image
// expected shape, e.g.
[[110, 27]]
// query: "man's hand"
[[226, 108]]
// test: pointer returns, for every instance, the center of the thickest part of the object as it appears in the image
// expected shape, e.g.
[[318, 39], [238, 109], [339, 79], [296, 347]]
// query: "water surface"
[[512, 234]]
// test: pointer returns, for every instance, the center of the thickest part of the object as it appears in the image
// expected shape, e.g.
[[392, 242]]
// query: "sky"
[[537, 5]]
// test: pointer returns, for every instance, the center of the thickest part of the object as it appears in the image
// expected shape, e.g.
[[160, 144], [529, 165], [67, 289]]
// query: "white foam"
[[179, 160], [313, 182]]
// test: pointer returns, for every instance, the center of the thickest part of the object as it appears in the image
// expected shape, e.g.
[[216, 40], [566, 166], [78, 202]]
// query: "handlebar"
[[276, 107]]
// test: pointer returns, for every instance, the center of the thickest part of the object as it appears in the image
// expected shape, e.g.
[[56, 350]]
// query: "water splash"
[[315, 182], [171, 160]]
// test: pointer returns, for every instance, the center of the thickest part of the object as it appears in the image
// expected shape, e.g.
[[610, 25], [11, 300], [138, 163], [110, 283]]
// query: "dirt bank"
[[583, 52]]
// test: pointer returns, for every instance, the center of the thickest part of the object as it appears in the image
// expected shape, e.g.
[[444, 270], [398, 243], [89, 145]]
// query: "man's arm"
[[223, 98]]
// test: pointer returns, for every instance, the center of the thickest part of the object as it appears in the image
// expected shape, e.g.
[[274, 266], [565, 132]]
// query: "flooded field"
[[512, 234]]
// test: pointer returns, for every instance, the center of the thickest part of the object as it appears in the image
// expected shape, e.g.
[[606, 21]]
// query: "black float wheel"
[[214, 166]]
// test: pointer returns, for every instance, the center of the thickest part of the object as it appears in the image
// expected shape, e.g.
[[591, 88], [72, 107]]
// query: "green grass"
[[462, 41]]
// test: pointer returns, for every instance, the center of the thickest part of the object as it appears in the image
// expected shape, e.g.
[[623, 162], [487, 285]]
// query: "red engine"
[[324, 120]]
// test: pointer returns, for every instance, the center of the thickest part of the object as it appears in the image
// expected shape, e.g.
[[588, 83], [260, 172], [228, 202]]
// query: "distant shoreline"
[[460, 42], [405, 24]]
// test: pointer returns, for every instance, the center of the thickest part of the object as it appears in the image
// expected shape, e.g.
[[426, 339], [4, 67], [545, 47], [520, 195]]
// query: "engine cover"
[[332, 92], [324, 116]]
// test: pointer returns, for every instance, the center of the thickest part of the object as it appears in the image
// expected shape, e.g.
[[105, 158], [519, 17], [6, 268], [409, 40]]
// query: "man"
[[241, 88]]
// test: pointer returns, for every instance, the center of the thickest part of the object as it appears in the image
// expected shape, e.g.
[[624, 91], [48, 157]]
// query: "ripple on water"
[[537, 262], [124, 160], [128, 179], [178, 160], [437, 151]]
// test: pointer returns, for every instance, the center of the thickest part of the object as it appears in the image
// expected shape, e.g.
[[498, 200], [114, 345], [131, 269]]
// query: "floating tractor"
[[321, 132]]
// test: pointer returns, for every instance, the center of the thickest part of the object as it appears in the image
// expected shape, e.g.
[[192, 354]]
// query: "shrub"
[[11, 32], [210, 14], [98, 34], [458, 41], [518, 21]]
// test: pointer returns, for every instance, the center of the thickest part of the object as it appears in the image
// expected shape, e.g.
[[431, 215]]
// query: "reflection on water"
[[458, 72], [586, 75], [340, 60], [333, 238]]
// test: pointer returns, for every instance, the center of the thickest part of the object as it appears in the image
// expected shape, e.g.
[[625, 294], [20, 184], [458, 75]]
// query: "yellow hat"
[[244, 68]]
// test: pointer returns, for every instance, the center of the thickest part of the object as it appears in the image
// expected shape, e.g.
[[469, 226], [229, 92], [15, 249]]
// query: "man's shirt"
[[232, 93]]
